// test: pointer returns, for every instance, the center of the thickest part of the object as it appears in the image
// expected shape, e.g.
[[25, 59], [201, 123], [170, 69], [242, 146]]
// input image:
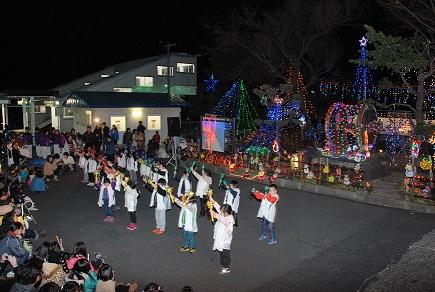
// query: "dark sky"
[[46, 44]]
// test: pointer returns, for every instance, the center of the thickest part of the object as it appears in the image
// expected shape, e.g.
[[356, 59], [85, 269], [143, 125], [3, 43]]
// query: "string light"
[[211, 83], [236, 103]]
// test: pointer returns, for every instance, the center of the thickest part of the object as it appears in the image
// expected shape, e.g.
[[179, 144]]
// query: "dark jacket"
[[87, 138], [13, 246], [127, 138], [106, 131], [17, 287]]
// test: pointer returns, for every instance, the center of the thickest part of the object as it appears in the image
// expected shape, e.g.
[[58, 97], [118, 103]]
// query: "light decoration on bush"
[[426, 163], [211, 83], [395, 142], [236, 103], [363, 85]]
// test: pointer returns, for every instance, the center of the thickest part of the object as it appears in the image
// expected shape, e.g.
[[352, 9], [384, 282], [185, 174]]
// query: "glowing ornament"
[[261, 175], [346, 180], [415, 147], [331, 179], [294, 161], [211, 83], [426, 163], [326, 169], [275, 146], [306, 169]]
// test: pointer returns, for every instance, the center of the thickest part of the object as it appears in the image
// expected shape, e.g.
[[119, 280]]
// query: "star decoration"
[[363, 42], [211, 83]]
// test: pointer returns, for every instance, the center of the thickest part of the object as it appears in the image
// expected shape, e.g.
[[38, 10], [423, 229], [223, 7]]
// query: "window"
[[40, 109], [119, 122], [122, 89], [68, 112], [104, 75], [163, 70], [185, 68], [88, 117], [153, 123], [144, 81]]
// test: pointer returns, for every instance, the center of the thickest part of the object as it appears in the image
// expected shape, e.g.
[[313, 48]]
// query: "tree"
[[413, 55], [269, 42]]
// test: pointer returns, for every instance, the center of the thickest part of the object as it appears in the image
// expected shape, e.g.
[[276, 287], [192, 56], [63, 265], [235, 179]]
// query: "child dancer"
[[131, 195], [91, 168], [223, 234], [267, 211], [161, 171], [185, 186], [107, 199], [187, 221], [83, 161], [160, 201], [232, 198], [204, 183], [132, 167]]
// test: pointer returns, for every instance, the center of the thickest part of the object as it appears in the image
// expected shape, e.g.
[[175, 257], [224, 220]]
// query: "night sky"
[[44, 45]]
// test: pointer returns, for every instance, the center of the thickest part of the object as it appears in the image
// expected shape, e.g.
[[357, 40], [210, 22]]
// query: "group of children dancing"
[[121, 173]]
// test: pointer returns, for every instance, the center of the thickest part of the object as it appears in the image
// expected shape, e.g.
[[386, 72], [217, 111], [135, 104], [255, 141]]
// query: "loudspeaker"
[[174, 126]]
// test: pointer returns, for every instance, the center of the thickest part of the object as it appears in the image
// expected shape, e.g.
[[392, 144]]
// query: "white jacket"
[[203, 185], [122, 161], [162, 202], [158, 176], [223, 230], [82, 162], [91, 166], [131, 164], [267, 209], [111, 196], [188, 215], [231, 200], [131, 199], [187, 186]]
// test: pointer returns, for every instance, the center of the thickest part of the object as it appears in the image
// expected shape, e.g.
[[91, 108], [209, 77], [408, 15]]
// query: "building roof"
[[111, 71], [100, 99]]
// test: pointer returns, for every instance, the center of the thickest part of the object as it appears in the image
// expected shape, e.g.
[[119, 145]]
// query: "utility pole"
[[168, 47]]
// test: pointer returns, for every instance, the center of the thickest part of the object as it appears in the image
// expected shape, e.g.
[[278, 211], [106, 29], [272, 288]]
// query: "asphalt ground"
[[324, 243]]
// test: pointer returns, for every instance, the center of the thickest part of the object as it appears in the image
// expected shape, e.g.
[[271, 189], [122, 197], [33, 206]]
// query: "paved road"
[[324, 243]]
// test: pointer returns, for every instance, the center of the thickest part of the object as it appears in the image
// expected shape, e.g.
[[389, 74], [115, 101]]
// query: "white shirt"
[[68, 161], [163, 202], [203, 185], [223, 230], [267, 209], [187, 186], [131, 199], [111, 196], [188, 215], [231, 200]]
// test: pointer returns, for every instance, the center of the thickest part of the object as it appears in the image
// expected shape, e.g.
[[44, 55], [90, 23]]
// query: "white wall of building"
[[132, 118]]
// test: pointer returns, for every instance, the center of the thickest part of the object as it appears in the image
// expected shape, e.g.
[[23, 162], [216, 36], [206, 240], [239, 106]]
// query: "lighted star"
[[363, 42], [211, 83]]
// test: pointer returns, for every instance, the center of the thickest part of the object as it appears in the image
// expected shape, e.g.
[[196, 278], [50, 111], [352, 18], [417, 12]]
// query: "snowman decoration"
[[306, 169], [346, 180]]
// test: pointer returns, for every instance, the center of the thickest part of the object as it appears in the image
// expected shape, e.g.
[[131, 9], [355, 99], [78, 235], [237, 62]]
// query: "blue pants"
[[107, 209], [189, 240], [268, 225]]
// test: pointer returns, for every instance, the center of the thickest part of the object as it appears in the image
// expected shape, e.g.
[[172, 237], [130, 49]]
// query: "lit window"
[[163, 70], [144, 81], [153, 123], [40, 109], [87, 83], [185, 68], [104, 75], [68, 112], [122, 89]]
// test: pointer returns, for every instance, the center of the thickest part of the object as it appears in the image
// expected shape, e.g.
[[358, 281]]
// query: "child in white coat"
[[91, 168], [83, 161], [106, 199], [204, 183], [267, 212], [232, 198], [161, 202], [185, 186], [132, 167], [223, 234], [187, 221], [131, 195]]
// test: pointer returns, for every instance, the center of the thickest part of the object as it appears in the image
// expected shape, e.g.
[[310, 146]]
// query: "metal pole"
[[168, 47], [3, 115], [32, 119]]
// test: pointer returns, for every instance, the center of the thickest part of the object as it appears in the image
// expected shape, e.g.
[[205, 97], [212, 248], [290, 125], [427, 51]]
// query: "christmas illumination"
[[363, 85], [211, 83], [236, 103]]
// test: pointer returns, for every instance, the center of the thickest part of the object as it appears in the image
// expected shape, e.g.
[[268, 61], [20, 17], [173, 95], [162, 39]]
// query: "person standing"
[[127, 139], [232, 198], [156, 138], [106, 130], [97, 139], [267, 212], [114, 134], [88, 138], [161, 202], [131, 195], [107, 200], [140, 138], [223, 234], [141, 128], [204, 183]]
